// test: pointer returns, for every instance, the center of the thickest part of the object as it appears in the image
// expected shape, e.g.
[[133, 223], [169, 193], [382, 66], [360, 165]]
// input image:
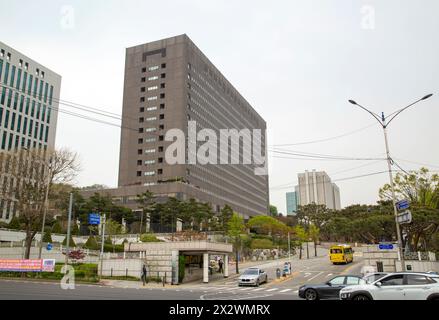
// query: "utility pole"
[[289, 247], [384, 124], [46, 207], [102, 245], [68, 228]]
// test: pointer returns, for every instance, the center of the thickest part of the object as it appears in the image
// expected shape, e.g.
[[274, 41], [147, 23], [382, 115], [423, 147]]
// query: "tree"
[[236, 227], [91, 243], [224, 217], [301, 237], [314, 233], [57, 228], [72, 243], [29, 174], [146, 204], [15, 223], [422, 190], [112, 228], [273, 211]]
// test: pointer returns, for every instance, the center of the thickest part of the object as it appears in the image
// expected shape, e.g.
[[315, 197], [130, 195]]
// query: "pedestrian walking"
[[144, 275], [220, 264]]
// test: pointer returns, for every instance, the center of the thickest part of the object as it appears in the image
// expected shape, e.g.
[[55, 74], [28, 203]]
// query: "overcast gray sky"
[[296, 62]]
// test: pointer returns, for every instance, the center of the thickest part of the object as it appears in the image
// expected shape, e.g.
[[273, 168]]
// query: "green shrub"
[[14, 224], [57, 228], [71, 242], [181, 268], [261, 244], [47, 237], [91, 243], [149, 237]]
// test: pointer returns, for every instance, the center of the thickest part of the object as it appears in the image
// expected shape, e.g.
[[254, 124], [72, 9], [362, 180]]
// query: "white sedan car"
[[252, 277], [396, 286]]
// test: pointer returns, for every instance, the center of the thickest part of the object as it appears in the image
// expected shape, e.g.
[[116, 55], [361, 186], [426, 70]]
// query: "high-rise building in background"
[[168, 83], [316, 187], [29, 95], [292, 203]]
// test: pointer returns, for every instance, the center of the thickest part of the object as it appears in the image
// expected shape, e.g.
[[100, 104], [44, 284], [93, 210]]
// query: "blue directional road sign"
[[386, 246], [94, 219], [49, 246], [402, 205]]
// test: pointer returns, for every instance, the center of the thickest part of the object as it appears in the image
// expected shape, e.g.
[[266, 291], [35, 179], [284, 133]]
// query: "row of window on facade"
[[21, 63], [9, 143], [33, 110], [7, 209]]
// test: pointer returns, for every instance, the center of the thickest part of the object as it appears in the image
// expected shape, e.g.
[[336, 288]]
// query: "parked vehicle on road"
[[374, 276], [396, 286], [329, 289], [253, 277], [341, 253]]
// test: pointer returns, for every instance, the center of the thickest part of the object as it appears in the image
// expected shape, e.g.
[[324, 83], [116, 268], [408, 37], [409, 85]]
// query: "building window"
[[162, 127], [147, 151], [149, 162], [142, 89], [162, 95], [153, 68], [163, 65], [151, 119], [139, 173], [162, 116], [151, 109], [143, 69], [140, 130], [160, 160], [162, 86], [161, 138], [142, 109], [143, 79], [160, 149], [140, 141], [139, 162], [152, 98], [141, 120], [152, 88], [150, 140], [142, 99], [20, 63], [150, 129], [153, 78], [163, 75], [139, 151], [162, 106], [2, 53], [160, 171], [149, 173]]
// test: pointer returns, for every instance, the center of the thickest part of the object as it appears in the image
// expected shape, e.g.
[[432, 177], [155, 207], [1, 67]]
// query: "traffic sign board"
[[386, 246], [49, 246], [94, 219], [402, 205], [405, 217]]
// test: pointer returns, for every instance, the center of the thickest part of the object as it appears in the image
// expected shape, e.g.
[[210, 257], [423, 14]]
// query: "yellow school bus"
[[341, 253]]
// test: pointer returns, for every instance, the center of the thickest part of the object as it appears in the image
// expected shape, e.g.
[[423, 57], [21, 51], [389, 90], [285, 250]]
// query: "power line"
[[326, 139], [320, 156]]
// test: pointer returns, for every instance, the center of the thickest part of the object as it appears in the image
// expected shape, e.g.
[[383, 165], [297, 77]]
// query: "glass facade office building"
[[29, 95]]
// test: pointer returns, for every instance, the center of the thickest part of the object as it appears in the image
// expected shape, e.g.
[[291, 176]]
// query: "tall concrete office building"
[[316, 187], [29, 95], [167, 84]]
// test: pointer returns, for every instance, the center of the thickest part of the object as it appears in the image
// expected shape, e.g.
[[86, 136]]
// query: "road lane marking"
[[286, 290], [269, 290], [259, 289], [244, 289], [318, 274], [328, 275]]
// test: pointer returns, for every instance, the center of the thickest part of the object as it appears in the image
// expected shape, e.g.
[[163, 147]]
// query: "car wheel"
[[361, 297], [311, 295]]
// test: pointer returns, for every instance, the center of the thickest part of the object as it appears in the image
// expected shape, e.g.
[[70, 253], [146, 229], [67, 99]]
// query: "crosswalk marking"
[[286, 290], [269, 290], [258, 289], [244, 289]]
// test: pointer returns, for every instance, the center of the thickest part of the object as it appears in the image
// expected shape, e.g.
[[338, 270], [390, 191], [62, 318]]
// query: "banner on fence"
[[27, 265]]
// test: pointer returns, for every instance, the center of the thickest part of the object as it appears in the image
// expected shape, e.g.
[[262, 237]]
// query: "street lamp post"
[[384, 124]]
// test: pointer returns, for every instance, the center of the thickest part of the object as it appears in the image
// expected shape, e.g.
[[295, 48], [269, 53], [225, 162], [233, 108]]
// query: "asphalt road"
[[314, 270]]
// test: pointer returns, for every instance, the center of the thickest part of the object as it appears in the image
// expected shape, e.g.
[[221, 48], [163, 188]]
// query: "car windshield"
[[251, 272]]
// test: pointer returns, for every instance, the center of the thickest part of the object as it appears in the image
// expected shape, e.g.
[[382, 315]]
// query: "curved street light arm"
[[370, 112], [410, 105]]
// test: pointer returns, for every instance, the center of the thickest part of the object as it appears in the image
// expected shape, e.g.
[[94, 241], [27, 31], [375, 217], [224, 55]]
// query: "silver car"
[[252, 277]]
